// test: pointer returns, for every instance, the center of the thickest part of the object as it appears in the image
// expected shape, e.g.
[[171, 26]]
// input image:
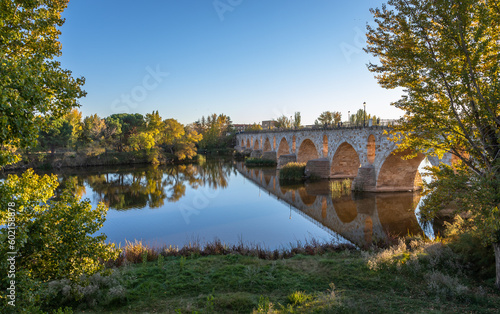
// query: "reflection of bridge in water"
[[359, 218]]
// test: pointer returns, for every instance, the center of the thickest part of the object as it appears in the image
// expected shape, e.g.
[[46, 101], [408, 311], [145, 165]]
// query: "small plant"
[[299, 298], [144, 256], [182, 262], [209, 305], [160, 261], [265, 306]]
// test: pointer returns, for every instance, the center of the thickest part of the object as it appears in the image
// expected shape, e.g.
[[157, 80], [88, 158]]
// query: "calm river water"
[[176, 205]]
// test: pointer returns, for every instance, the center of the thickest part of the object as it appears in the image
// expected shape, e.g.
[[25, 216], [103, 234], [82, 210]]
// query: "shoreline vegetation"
[[411, 275], [48, 161]]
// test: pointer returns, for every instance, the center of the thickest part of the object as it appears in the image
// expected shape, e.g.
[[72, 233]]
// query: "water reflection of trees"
[[152, 186]]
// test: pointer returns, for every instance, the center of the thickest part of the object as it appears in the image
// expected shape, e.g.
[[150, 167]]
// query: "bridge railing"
[[382, 123]]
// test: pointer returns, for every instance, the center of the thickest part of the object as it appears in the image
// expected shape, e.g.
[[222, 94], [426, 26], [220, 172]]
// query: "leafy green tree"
[[130, 124], [56, 134], [327, 118], [446, 55], [32, 83], [297, 120], [93, 129], [283, 123], [112, 132], [217, 131], [254, 127], [74, 117], [54, 238]]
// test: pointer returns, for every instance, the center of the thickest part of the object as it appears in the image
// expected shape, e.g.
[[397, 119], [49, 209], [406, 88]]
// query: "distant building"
[[241, 127], [268, 124]]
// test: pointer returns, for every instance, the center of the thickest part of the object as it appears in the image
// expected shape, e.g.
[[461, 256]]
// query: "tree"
[[55, 239], [32, 83], [56, 134], [93, 129], [296, 120], [217, 131], [446, 55], [130, 124], [74, 117], [254, 127], [283, 123], [327, 118]]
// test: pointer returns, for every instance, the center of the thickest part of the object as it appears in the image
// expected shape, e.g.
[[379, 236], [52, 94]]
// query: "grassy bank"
[[416, 277]]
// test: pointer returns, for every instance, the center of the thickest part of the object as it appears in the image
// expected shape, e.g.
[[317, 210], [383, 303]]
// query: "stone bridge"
[[359, 218], [364, 154]]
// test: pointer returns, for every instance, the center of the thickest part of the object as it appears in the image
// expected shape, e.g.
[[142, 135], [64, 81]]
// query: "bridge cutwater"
[[364, 154]]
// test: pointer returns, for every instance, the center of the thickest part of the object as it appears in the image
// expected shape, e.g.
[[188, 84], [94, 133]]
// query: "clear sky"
[[253, 60]]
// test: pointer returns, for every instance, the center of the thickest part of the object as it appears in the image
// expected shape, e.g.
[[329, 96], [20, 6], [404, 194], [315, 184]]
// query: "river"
[[222, 199]]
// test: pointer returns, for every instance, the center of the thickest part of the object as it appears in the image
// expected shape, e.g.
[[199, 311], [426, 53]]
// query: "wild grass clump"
[[293, 171], [259, 162], [433, 261], [100, 289]]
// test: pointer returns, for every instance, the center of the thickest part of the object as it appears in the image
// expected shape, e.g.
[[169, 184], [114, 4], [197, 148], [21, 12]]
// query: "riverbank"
[[416, 277], [47, 161]]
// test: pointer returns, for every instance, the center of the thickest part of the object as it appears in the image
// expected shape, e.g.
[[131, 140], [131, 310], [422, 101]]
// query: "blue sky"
[[253, 60]]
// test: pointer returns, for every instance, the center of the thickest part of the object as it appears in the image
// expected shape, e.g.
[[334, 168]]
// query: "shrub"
[[293, 171]]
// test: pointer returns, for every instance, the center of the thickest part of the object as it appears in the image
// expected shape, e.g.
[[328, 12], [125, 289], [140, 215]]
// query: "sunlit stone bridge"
[[364, 154]]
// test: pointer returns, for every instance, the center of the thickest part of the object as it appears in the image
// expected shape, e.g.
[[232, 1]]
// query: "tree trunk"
[[496, 246]]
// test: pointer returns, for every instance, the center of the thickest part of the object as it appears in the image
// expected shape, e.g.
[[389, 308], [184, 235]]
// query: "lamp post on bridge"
[[364, 114]]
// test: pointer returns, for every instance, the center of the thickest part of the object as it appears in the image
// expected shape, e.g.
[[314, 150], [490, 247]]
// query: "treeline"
[[122, 132], [126, 132]]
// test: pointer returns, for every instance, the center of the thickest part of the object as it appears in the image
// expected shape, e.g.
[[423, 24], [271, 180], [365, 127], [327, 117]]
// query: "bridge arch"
[[283, 148], [248, 143], [397, 173], [294, 144], [256, 145], [267, 145], [345, 162], [274, 142], [307, 151], [242, 143]]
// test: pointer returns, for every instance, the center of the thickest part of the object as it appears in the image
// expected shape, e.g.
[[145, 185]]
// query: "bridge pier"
[[256, 153], [284, 159], [366, 179], [319, 168]]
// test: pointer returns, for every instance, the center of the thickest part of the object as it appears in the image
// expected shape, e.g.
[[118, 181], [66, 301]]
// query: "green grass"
[[332, 282]]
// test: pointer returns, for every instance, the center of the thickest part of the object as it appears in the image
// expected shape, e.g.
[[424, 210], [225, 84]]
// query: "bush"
[[293, 171]]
